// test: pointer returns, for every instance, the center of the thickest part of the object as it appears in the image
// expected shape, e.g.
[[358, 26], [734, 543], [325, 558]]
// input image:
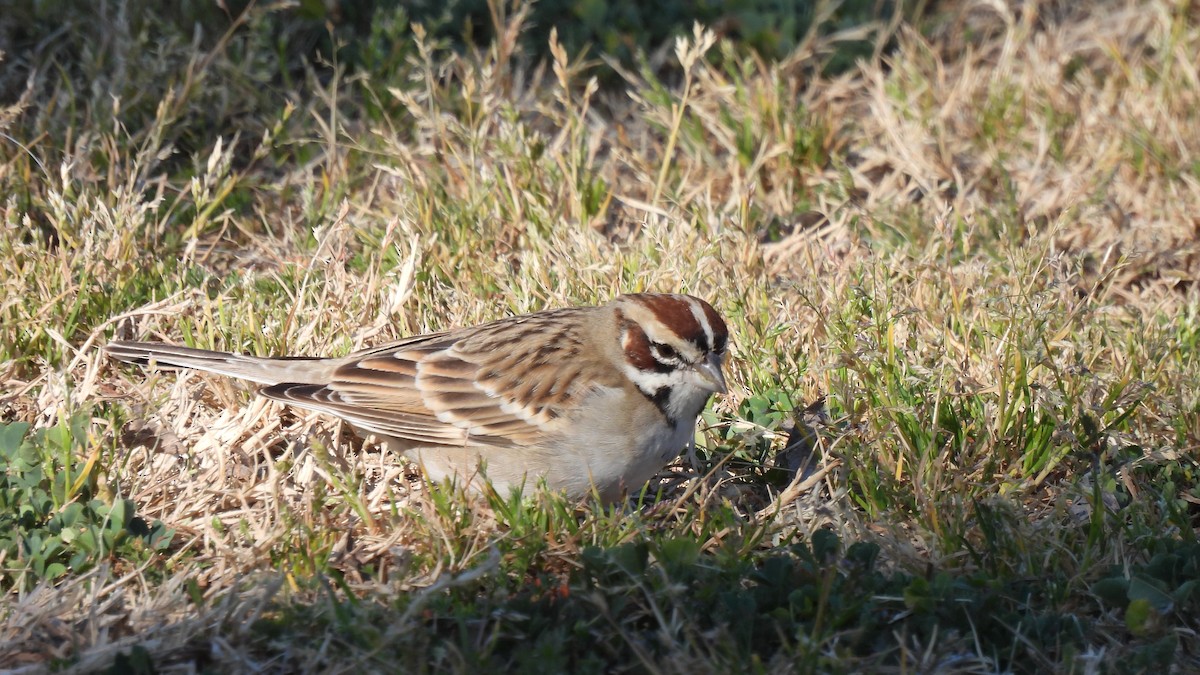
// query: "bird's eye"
[[664, 353]]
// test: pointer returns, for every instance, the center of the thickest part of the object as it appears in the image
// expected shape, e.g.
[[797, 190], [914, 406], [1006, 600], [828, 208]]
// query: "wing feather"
[[509, 382]]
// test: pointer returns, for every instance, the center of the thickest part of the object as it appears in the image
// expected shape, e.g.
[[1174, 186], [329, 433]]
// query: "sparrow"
[[588, 399]]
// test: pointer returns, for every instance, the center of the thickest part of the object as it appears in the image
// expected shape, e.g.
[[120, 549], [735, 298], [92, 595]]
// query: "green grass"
[[958, 277]]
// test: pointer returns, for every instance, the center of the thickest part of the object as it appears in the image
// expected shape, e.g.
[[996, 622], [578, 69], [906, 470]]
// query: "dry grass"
[[981, 248]]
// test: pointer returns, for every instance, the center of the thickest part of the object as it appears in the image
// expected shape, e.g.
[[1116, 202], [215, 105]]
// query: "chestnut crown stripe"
[[690, 318]]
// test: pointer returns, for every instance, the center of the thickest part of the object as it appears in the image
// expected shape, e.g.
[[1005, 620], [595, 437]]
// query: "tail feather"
[[268, 371]]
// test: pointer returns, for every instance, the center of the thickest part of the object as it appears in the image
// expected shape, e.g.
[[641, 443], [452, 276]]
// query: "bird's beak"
[[710, 374]]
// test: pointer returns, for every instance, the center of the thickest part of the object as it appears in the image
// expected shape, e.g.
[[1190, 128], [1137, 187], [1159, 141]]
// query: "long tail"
[[298, 370]]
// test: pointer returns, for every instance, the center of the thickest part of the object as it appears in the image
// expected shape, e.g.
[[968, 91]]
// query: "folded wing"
[[493, 386]]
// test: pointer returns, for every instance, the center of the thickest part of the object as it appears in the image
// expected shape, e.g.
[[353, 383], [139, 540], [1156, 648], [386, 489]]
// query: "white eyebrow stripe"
[[702, 319]]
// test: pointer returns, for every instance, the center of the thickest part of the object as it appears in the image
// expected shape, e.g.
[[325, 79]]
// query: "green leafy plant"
[[53, 518]]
